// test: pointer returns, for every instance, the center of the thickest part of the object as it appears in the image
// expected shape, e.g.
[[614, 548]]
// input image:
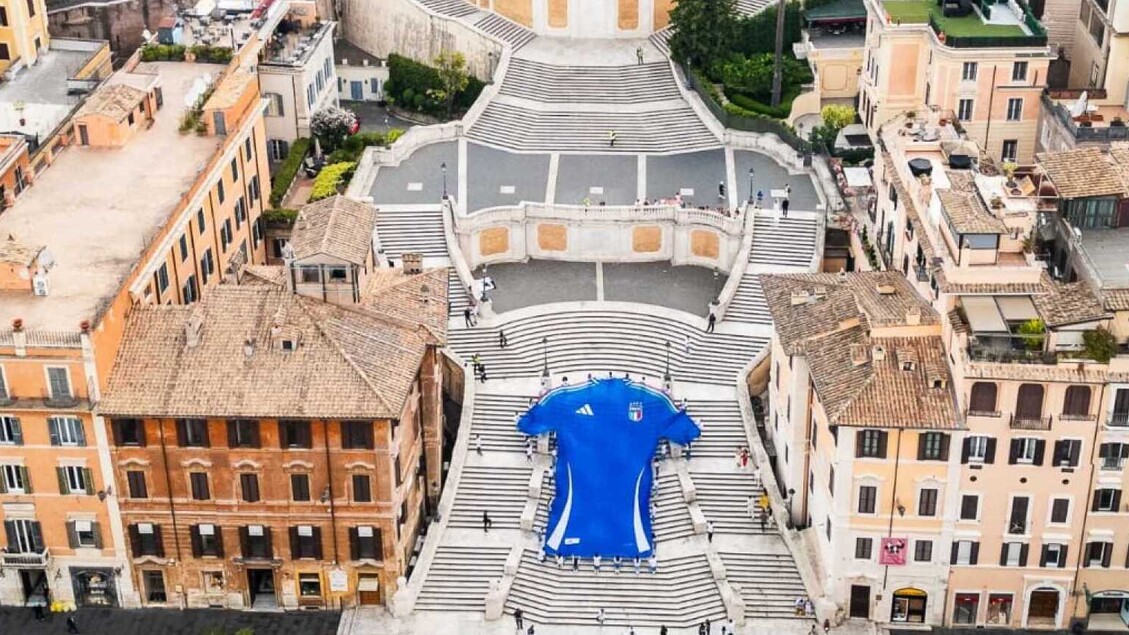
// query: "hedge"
[[354, 146], [288, 170], [409, 82], [753, 106], [176, 53], [330, 177], [280, 216]]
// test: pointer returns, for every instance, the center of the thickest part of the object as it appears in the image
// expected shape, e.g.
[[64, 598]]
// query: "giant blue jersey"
[[607, 433]]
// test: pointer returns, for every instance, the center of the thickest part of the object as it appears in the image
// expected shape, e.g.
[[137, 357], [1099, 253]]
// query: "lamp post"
[[666, 373], [716, 282], [752, 174], [791, 495], [443, 168], [545, 362]]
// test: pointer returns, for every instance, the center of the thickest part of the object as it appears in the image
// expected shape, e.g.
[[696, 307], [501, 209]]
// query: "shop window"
[[909, 606], [999, 609], [309, 585], [965, 608]]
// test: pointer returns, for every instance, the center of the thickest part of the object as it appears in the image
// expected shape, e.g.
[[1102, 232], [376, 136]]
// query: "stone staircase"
[[498, 490], [661, 40], [506, 30], [458, 297], [724, 499], [680, 594], [672, 517], [770, 583], [452, 8], [493, 422], [460, 577], [783, 242], [411, 228], [722, 429], [542, 82], [748, 304], [582, 341], [752, 7]]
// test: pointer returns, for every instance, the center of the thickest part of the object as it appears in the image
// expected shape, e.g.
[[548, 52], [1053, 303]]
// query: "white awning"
[[857, 177], [1017, 308], [982, 314]]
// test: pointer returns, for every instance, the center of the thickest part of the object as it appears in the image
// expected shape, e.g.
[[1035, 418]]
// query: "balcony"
[[1010, 349], [991, 25], [1030, 423], [1100, 123], [1118, 420], [24, 560]]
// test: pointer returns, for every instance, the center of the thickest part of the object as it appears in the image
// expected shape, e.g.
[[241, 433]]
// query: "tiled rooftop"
[[1084, 172], [965, 208], [1063, 304], [335, 226], [97, 208]]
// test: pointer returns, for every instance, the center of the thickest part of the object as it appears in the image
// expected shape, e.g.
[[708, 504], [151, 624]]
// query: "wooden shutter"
[[197, 547], [1024, 550], [244, 542], [256, 436], [944, 446], [883, 439], [182, 433], [88, 479], [269, 547], [1096, 504], [305, 434], [37, 536], [1117, 500], [1029, 402], [1107, 554], [317, 543], [965, 450], [1075, 453], [72, 535], [232, 433], [354, 544], [53, 430], [983, 397], [219, 541], [1105, 450], [3, 483], [1077, 401], [158, 541], [1003, 554], [1013, 452], [1040, 451], [1045, 556], [134, 541], [116, 431], [64, 488], [17, 431], [96, 529], [975, 557], [922, 445], [295, 544], [80, 432], [1062, 555], [990, 453], [10, 533]]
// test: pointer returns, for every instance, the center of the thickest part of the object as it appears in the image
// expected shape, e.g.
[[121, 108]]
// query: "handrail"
[[740, 265]]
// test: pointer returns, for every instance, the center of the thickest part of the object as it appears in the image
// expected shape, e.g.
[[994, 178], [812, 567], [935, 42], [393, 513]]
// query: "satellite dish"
[[46, 259]]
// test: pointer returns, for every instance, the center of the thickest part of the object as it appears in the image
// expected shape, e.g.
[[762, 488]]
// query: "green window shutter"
[[17, 431], [27, 479], [72, 535], [97, 529], [81, 430], [88, 479], [3, 484], [62, 474]]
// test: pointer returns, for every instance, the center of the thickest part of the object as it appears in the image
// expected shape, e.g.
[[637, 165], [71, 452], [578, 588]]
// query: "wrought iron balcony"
[[24, 560], [1118, 420], [1030, 423]]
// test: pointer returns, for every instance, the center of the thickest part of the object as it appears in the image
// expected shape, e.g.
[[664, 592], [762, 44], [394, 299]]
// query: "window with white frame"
[[1019, 71], [1107, 500], [14, 479], [968, 71], [1014, 108], [10, 431], [1060, 511], [977, 449], [964, 110], [274, 105], [60, 383], [1010, 150], [75, 479], [863, 548], [85, 534], [67, 431], [4, 394], [1025, 449]]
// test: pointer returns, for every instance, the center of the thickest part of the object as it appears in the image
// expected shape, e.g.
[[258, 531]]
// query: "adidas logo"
[[586, 410]]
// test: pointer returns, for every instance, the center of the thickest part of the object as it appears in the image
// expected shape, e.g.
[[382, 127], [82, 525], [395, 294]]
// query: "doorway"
[[909, 606], [368, 589], [356, 91], [260, 588], [34, 582], [1042, 608], [860, 601]]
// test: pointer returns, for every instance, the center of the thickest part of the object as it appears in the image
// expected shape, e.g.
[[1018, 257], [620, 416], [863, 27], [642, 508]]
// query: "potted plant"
[[1009, 168], [997, 202]]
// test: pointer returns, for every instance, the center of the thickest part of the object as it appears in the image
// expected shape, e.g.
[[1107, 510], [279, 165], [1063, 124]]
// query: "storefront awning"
[[982, 314], [1017, 308]]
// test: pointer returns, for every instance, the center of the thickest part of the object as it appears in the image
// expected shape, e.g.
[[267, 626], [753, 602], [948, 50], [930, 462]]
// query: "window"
[[3, 16], [220, 193], [365, 543], [188, 291], [135, 479], [4, 53], [277, 149], [310, 274], [1013, 554], [31, 12], [1076, 403], [243, 433], [1067, 453], [927, 502], [14, 479], [183, 256], [145, 540], [192, 433], [1106, 500], [240, 213], [60, 383], [235, 167], [10, 431], [274, 105], [294, 434], [338, 274], [1026, 450], [1113, 455], [1017, 519], [965, 608], [871, 443], [205, 267], [207, 540], [1014, 108], [129, 432], [969, 507], [983, 399], [255, 541], [978, 449], [75, 479], [356, 435], [968, 71], [247, 149], [162, 278], [198, 482], [964, 110], [868, 497], [1098, 554], [1060, 510], [922, 550], [24, 536], [66, 431], [1053, 556], [362, 489], [4, 396], [154, 582], [309, 585], [225, 234], [84, 534], [1029, 402], [933, 446], [201, 223], [249, 485], [965, 552], [305, 542], [1010, 150], [253, 191], [300, 487], [1019, 71], [863, 548]]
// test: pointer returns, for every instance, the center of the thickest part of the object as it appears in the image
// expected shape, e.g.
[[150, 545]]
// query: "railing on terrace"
[[1007, 349], [1029, 423], [613, 213], [24, 560], [986, 41], [1081, 132], [1117, 419]]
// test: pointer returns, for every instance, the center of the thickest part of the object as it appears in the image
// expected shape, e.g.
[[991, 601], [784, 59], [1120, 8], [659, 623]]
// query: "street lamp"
[[752, 173], [716, 283], [443, 167], [791, 495], [545, 358]]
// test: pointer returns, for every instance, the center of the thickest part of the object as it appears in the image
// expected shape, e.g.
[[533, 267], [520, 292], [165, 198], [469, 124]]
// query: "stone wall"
[[120, 24], [408, 29]]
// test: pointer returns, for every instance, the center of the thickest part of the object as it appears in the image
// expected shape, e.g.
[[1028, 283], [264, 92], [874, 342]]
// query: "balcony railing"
[[1009, 349], [1081, 132], [24, 560], [1118, 419], [1030, 423], [987, 41]]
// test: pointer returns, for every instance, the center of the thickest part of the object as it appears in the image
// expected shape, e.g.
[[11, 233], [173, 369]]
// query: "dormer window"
[[289, 345], [907, 365]]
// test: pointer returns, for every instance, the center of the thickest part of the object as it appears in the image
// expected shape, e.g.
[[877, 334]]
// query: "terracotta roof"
[[1064, 304], [965, 209], [1082, 172], [836, 299], [1119, 152], [263, 274], [1116, 299], [336, 226], [1065, 371], [864, 381], [412, 299], [346, 362], [13, 252], [988, 288], [114, 101]]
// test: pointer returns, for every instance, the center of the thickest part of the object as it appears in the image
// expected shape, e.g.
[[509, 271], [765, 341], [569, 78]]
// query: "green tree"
[[453, 78], [703, 31], [749, 75], [837, 117]]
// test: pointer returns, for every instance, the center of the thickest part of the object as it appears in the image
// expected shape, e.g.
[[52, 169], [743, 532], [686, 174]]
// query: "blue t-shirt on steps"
[[607, 433]]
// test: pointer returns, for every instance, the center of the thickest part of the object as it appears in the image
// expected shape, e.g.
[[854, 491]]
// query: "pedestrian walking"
[[518, 615], [529, 451], [575, 563], [478, 444], [638, 562], [687, 345], [486, 522], [502, 341], [702, 629], [798, 605], [560, 561], [712, 320], [596, 563], [474, 315], [611, 139], [466, 317], [744, 457], [653, 563], [531, 631], [784, 207], [662, 630], [763, 515], [37, 611], [72, 626], [813, 630], [709, 531], [482, 373], [737, 457], [730, 626], [826, 627], [600, 617], [809, 608], [617, 562], [655, 464], [639, 55], [630, 630]]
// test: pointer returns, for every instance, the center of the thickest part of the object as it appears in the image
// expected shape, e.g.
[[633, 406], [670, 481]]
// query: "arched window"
[[1077, 402], [983, 398], [1029, 404]]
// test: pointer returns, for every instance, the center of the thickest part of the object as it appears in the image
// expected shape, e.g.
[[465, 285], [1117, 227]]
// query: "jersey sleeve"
[[680, 428], [545, 415]]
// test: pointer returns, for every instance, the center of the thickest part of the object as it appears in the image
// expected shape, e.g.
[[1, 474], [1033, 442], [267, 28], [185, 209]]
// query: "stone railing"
[[376, 157], [604, 213]]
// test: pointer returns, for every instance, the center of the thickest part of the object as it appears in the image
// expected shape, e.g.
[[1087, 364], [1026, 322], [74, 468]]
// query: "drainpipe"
[[991, 99], [329, 481], [893, 502], [1086, 510], [172, 505]]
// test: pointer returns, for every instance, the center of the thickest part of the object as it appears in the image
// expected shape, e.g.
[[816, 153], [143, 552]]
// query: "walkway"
[[171, 622]]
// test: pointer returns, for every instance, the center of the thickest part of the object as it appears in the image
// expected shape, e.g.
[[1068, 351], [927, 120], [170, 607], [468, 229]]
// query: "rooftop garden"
[[968, 30]]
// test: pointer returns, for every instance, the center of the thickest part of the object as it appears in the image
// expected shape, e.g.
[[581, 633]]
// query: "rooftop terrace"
[[97, 208], [988, 25], [38, 95]]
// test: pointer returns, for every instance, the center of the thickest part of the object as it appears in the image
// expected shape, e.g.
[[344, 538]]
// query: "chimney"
[[820, 292], [913, 316], [344, 61], [885, 288], [878, 353], [248, 347], [364, 62], [842, 275], [413, 263], [799, 297], [194, 328]]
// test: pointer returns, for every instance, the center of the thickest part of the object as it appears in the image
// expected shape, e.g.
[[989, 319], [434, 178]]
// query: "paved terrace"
[[95, 209], [42, 92]]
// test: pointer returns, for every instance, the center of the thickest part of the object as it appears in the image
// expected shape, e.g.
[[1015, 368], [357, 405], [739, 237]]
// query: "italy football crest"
[[635, 411]]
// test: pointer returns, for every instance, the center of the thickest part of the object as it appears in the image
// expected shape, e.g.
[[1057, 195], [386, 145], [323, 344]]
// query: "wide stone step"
[[459, 577], [453, 8], [506, 30], [550, 83]]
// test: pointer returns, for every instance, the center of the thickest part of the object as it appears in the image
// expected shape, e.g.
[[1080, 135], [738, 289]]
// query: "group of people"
[[597, 561]]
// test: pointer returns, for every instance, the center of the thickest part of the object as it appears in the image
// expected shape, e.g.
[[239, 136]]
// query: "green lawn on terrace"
[[918, 12]]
